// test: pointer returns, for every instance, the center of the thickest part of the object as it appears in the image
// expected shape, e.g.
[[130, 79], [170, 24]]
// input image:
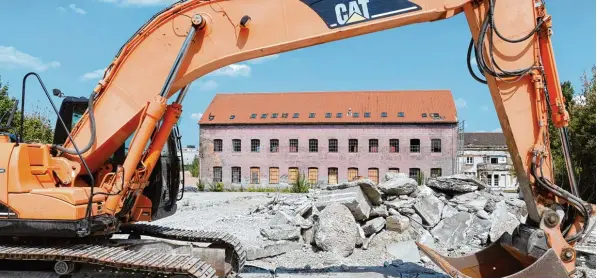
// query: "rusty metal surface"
[[110, 256], [495, 261], [235, 254]]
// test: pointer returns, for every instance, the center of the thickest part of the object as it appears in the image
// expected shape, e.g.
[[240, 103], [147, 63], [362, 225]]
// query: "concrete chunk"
[[452, 231], [397, 223], [335, 230], [379, 211], [398, 186], [406, 251], [502, 221], [430, 209], [449, 211], [373, 226], [456, 183], [254, 253], [281, 233], [353, 198]]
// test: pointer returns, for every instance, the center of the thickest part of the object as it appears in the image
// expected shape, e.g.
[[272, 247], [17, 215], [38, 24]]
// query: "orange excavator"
[[66, 202]]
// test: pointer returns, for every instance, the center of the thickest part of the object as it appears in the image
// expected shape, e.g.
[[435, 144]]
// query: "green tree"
[[194, 168], [581, 132], [36, 128]]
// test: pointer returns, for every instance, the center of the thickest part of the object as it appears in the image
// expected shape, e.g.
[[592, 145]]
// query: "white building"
[[189, 153], [486, 156]]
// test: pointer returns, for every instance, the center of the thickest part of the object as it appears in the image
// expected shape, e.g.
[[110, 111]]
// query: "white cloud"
[[77, 10], [497, 130], [205, 85], [460, 103], [264, 59], [95, 75], [233, 70], [196, 115], [484, 108], [61, 9], [11, 58]]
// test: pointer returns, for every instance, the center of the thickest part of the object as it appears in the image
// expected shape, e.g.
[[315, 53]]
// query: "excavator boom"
[[512, 48]]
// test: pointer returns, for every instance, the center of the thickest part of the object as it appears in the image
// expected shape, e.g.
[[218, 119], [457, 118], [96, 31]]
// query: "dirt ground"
[[229, 212]]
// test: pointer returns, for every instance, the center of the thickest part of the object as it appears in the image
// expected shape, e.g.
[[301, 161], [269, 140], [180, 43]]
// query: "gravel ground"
[[229, 212]]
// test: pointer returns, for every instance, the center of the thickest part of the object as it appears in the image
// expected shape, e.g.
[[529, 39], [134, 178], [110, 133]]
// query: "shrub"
[[421, 178], [301, 185], [201, 185], [217, 187]]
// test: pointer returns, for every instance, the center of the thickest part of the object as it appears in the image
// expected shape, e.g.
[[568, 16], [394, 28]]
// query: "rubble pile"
[[448, 212]]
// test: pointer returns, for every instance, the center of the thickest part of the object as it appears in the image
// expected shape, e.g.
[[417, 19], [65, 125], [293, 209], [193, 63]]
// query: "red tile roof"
[[238, 108]]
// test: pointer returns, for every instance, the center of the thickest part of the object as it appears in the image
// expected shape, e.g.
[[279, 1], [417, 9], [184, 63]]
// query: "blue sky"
[[68, 41]]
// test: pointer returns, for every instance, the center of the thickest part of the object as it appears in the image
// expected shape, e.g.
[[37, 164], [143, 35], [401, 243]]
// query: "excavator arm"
[[512, 46]]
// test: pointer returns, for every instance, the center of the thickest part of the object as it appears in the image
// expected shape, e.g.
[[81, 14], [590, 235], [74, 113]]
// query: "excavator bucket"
[[499, 260]]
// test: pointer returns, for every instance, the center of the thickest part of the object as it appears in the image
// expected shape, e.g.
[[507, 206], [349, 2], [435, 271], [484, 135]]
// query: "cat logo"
[[355, 12]]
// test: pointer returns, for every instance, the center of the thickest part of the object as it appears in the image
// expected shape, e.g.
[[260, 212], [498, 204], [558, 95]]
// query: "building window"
[[254, 175], [367, 114], [311, 115], [353, 173], [494, 160], [232, 116], [284, 115], [217, 174], [469, 160], [235, 174], [332, 175], [424, 115], [253, 115], [236, 145], [394, 170], [496, 180], [384, 114], [394, 146], [293, 145], [414, 173], [274, 144], [313, 145], [328, 115], [355, 115], [264, 115], [401, 114], [415, 145], [373, 145], [333, 145], [217, 145], [353, 145], [436, 172], [295, 115], [255, 145], [274, 115], [274, 175], [292, 175], [373, 174], [436, 145], [313, 176], [339, 115]]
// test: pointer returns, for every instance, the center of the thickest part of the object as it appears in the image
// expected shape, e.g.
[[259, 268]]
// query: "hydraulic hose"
[[91, 126]]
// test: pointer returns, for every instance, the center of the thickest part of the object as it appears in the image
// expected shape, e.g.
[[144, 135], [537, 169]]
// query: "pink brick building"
[[330, 137]]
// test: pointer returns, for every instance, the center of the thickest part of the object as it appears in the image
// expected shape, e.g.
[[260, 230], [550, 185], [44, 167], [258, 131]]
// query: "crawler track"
[[114, 257], [236, 254]]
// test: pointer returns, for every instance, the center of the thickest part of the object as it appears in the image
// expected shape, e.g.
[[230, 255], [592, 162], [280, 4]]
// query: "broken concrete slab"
[[271, 250], [397, 223], [406, 251], [304, 210], [379, 211], [394, 175], [308, 235], [476, 204], [452, 231], [483, 214], [392, 212], [374, 226], [502, 221], [406, 210], [281, 218], [301, 222], [335, 230], [457, 183], [479, 230], [464, 198], [281, 232], [489, 206], [398, 186], [427, 239], [430, 209], [461, 207], [449, 211], [397, 204], [366, 185], [353, 198], [360, 236]]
